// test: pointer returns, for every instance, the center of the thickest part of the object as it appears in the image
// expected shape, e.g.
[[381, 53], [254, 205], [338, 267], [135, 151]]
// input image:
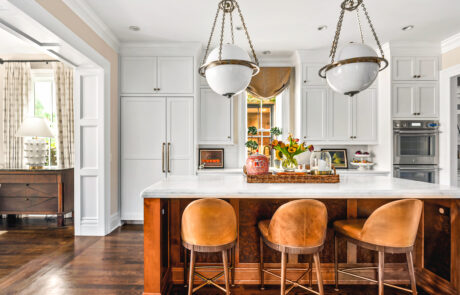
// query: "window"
[[42, 104], [262, 115]]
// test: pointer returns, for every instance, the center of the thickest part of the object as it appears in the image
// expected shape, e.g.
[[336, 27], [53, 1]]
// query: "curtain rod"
[[2, 61]]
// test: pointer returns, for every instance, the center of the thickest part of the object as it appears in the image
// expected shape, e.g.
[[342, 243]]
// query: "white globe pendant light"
[[358, 64], [228, 68]]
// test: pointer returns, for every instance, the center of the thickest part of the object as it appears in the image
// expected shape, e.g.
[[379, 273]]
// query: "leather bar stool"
[[297, 227], [392, 228], [208, 225]]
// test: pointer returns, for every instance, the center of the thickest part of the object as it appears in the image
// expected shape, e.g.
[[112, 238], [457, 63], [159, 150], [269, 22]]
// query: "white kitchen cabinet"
[[364, 106], [314, 113], [216, 118], [332, 118], [157, 75], [406, 68], [310, 75], [415, 100], [156, 141]]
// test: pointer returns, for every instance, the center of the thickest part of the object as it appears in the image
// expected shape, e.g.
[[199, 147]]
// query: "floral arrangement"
[[288, 150]]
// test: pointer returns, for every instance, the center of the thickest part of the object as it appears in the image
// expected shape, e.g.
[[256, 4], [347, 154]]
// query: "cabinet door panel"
[[143, 131], [314, 114], [427, 68], [215, 117], [403, 68], [404, 100], [365, 112], [340, 117], [310, 75], [180, 135], [175, 74], [138, 74], [427, 101]]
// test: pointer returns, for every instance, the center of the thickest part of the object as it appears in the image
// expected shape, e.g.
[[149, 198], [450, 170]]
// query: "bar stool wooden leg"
[[410, 267], [261, 264], [318, 273], [233, 250], [185, 266], [310, 275], [225, 260], [336, 261], [381, 271], [191, 272], [283, 272]]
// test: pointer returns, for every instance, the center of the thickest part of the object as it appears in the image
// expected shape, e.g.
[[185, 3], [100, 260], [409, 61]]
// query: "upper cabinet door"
[[215, 118], [314, 113], [138, 74], [426, 68], [404, 96], [175, 75], [365, 116], [340, 117], [427, 101], [404, 68], [310, 75]]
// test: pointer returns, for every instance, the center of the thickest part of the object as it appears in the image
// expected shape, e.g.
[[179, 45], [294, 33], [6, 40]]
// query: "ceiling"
[[279, 26]]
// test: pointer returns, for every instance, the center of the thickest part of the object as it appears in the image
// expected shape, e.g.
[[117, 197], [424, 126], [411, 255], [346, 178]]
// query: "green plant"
[[276, 131], [252, 144], [252, 130]]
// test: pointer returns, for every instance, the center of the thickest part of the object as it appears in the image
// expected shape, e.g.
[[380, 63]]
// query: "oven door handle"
[[418, 132], [417, 168]]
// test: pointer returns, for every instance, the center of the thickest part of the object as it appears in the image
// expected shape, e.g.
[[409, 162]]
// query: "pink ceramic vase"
[[257, 164]]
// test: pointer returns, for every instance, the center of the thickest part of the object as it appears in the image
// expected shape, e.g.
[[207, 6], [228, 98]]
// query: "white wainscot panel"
[[88, 100], [89, 199], [88, 141]]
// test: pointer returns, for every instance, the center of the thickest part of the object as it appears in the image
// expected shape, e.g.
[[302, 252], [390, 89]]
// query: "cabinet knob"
[[351, 137], [414, 76], [305, 81], [304, 137], [229, 137], [441, 210]]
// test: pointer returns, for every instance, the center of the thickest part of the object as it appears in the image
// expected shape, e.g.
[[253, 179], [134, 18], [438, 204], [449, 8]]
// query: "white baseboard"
[[115, 222]]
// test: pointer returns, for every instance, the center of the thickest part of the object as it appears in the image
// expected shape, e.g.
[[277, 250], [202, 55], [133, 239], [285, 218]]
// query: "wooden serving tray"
[[293, 177]]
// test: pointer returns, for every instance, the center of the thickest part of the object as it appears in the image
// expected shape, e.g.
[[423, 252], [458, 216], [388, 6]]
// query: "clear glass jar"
[[320, 163]]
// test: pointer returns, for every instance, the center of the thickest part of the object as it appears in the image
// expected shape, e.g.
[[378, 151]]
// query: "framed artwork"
[[339, 158], [211, 158]]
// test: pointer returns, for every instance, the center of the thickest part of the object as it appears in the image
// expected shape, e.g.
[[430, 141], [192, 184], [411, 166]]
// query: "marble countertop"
[[350, 186], [239, 171]]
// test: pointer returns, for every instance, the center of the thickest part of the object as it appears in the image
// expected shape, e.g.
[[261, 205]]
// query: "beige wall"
[[62, 12], [451, 58]]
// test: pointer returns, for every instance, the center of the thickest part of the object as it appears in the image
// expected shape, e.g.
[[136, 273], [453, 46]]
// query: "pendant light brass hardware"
[[376, 59], [253, 66], [351, 5]]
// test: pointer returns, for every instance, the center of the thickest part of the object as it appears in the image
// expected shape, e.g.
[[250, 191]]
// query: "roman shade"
[[270, 82]]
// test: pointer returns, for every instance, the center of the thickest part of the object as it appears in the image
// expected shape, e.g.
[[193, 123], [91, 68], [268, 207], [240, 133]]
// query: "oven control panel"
[[403, 124]]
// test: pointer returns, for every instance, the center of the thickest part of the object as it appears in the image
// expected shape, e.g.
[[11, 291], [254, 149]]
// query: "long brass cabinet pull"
[[169, 162], [163, 157]]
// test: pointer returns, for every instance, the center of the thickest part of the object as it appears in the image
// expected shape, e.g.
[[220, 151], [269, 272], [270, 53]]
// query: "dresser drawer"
[[28, 205], [28, 178], [45, 190]]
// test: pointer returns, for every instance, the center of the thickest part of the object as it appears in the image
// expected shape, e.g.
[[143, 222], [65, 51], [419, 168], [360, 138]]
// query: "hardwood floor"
[[36, 257]]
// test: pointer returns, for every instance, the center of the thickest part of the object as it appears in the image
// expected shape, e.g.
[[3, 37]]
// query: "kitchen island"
[[437, 249]]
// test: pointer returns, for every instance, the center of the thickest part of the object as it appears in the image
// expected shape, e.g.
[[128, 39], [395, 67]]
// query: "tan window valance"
[[270, 82]]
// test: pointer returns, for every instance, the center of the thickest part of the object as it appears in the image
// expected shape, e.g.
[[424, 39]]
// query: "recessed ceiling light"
[[134, 28], [322, 28], [267, 52], [239, 28], [407, 28]]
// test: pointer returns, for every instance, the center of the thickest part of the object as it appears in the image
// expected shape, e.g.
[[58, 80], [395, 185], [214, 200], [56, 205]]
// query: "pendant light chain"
[[212, 33], [373, 30], [359, 24], [231, 28], [247, 34], [222, 32], [337, 36]]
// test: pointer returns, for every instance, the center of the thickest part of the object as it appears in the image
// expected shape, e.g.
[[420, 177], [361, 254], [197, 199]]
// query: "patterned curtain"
[[63, 78], [15, 102]]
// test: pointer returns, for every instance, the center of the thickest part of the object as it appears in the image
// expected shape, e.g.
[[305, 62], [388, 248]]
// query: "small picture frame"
[[211, 158], [339, 157]]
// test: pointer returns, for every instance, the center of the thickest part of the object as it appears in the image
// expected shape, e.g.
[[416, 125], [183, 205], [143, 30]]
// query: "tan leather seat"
[[209, 222], [392, 225], [297, 227], [209, 225], [392, 228]]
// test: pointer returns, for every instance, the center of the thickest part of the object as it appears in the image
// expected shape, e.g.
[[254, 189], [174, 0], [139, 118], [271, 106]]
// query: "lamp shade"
[[35, 127]]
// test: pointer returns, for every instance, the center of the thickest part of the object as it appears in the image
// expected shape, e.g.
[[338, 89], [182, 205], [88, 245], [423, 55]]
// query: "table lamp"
[[35, 147]]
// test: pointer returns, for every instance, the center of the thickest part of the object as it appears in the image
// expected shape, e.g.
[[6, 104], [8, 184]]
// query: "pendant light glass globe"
[[228, 79], [352, 78]]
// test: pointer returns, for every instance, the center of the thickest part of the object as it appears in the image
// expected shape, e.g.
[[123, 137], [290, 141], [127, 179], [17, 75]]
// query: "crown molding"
[[450, 43], [86, 13]]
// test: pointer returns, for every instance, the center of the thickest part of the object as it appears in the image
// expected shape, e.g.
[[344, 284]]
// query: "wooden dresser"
[[46, 191]]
